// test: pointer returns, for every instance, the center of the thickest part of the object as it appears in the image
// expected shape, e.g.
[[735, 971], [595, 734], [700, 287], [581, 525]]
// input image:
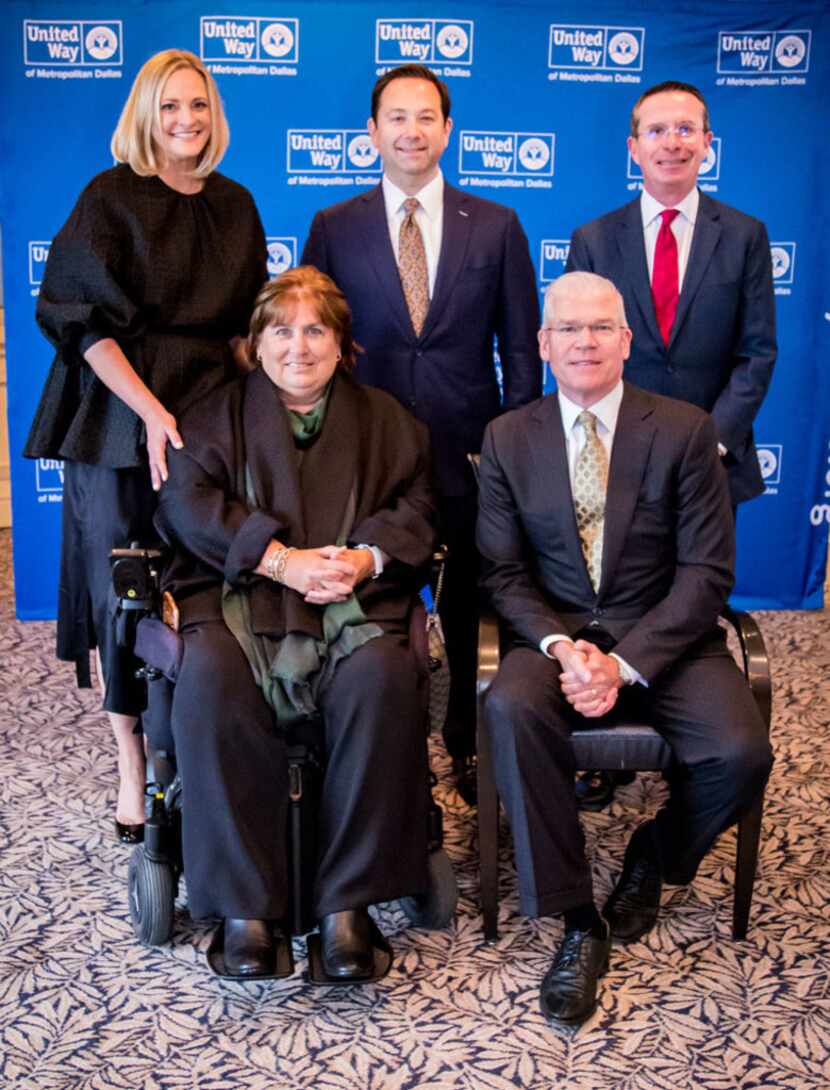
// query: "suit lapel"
[[632, 247], [374, 249], [551, 457], [704, 240], [331, 465], [455, 237], [270, 456], [629, 457]]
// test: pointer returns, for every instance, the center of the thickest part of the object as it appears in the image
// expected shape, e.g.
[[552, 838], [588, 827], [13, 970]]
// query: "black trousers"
[[701, 705], [232, 759], [459, 619]]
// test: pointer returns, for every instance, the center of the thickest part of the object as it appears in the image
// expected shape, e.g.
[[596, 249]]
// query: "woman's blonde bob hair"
[[135, 138]]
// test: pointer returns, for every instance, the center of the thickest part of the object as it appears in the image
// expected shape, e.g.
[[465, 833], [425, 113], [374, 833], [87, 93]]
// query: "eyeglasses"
[[601, 330], [683, 131]]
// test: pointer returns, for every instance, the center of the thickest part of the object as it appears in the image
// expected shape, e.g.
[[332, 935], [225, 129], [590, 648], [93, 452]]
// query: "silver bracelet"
[[275, 564], [282, 560]]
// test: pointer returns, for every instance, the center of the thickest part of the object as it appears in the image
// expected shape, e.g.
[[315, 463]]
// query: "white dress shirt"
[[606, 410], [429, 217], [683, 228]]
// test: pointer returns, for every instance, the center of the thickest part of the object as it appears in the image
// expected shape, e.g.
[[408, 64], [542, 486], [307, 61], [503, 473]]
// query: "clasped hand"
[[590, 679], [328, 574]]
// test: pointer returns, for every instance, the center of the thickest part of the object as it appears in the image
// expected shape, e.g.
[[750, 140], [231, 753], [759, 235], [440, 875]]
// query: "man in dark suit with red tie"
[[696, 278], [432, 274], [607, 548]]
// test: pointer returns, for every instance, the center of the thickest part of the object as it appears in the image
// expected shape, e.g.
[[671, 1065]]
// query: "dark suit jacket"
[[485, 284], [668, 544], [722, 346]]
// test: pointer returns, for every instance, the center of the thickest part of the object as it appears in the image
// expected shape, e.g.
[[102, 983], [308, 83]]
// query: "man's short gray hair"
[[587, 283]]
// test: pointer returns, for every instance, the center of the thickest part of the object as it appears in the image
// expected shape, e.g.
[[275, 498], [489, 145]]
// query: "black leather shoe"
[[595, 790], [346, 946], [464, 773], [632, 908], [569, 990], [129, 834], [249, 948]]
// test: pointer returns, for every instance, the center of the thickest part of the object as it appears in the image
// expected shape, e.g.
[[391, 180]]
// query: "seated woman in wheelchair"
[[301, 519]]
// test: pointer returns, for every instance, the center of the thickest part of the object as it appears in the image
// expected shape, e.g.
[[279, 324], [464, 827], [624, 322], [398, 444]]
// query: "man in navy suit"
[[430, 344], [704, 325], [607, 547]]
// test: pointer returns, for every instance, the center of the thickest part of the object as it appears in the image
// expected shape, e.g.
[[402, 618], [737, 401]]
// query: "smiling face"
[[410, 133], [670, 145], [184, 119], [299, 354], [584, 340]]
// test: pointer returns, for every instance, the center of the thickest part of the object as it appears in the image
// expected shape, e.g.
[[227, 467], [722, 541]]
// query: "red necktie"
[[664, 276]]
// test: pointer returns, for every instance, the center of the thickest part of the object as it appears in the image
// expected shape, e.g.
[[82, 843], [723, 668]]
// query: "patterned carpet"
[[84, 1007]]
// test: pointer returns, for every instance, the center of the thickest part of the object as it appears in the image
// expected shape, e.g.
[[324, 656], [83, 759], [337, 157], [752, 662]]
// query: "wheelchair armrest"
[[754, 658]]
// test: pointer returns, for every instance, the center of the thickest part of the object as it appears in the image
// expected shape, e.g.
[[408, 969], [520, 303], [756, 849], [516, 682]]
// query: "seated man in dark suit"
[[607, 547]]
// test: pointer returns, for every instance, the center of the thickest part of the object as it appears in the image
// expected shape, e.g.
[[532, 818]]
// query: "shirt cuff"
[[628, 674], [722, 451], [379, 558], [549, 641]]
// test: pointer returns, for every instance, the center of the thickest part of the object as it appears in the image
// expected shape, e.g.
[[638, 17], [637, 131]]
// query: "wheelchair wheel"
[[435, 908], [152, 893]]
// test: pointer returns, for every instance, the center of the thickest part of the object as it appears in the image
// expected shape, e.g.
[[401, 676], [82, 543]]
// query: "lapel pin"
[[466, 215]]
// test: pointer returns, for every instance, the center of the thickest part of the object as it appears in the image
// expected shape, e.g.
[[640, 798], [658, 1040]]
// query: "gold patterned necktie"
[[412, 264], [589, 488]]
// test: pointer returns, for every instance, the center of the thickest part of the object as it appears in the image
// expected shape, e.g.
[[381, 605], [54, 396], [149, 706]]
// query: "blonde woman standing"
[[147, 292]]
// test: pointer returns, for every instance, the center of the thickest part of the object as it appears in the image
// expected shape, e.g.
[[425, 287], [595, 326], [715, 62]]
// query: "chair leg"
[[488, 835], [746, 861]]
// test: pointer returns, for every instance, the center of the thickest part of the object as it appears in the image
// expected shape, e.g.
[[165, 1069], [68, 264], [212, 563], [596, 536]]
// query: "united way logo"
[[331, 151], [249, 38], [48, 475], [774, 52], [599, 48], [73, 42], [708, 171], [282, 254], [553, 258], [769, 461], [425, 41], [38, 253], [508, 153], [783, 262]]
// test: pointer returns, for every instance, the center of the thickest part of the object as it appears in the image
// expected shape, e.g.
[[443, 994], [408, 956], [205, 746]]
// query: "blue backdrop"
[[541, 115]]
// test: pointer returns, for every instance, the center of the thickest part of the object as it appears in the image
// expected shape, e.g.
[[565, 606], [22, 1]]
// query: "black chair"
[[156, 865], [625, 747], [633, 747]]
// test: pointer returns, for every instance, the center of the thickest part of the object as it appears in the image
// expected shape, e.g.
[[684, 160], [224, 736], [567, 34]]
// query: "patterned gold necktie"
[[589, 487], [412, 263]]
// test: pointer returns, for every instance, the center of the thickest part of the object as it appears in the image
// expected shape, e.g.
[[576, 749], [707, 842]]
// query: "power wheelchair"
[[156, 865]]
